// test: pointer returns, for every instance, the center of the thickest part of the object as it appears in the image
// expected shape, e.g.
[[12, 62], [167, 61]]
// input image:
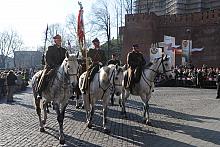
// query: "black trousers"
[[218, 90]]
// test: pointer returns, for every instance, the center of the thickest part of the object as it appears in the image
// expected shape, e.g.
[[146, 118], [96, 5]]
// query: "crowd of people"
[[199, 77], [12, 81]]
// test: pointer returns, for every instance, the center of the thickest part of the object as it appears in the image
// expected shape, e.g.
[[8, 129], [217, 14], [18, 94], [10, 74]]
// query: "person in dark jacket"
[[53, 59], [218, 86], [135, 62], [114, 60], [11, 83], [98, 59]]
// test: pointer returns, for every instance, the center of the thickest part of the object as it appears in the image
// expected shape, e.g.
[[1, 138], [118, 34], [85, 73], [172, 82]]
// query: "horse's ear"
[[67, 55], [124, 67]]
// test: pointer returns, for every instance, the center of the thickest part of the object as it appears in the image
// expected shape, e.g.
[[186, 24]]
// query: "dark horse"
[[59, 90]]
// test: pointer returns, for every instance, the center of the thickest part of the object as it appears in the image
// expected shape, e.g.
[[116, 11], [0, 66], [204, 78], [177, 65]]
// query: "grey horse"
[[58, 91], [100, 88], [145, 86]]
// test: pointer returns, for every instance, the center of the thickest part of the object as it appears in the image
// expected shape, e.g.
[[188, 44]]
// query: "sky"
[[29, 18]]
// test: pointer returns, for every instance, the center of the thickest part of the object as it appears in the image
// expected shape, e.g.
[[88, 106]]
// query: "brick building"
[[201, 27], [165, 7]]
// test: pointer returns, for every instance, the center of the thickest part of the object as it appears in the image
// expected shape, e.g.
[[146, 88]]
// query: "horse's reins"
[[109, 80], [155, 71], [67, 75]]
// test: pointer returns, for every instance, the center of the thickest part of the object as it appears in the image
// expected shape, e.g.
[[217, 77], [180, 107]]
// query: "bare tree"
[[101, 21], [10, 42], [72, 28]]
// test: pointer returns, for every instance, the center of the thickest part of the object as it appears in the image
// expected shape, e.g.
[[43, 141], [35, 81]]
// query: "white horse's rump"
[[59, 91], [145, 86], [100, 88]]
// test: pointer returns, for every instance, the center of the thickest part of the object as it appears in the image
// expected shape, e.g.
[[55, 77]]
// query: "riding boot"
[[41, 86], [84, 85]]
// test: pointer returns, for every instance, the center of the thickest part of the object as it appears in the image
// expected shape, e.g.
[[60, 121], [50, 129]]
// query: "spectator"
[[11, 83], [218, 86]]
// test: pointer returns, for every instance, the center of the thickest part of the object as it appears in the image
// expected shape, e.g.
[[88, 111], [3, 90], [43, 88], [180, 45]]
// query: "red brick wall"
[[205, 32]]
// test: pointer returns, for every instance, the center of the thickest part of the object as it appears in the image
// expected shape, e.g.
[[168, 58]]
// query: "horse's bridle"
[[155, 71], [67, 75], [164, 69], [110, 84]]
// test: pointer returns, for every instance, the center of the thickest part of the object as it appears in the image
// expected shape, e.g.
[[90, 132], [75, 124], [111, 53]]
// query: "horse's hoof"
[[62, 142], [42, 130], [82, 107], [77, 107], [149, 123], [43, 122], [124, 115], [107, 131], [89, 125]]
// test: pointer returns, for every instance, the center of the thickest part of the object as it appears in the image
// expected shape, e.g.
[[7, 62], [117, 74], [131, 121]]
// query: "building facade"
[[28, 59], [167, 7], [201, 27]]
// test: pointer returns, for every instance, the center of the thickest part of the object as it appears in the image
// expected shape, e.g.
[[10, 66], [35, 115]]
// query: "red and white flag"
[[80, 26]]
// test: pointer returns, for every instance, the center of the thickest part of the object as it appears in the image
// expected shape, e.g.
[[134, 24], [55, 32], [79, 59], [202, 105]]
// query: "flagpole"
[[81, 35], [45, 44]]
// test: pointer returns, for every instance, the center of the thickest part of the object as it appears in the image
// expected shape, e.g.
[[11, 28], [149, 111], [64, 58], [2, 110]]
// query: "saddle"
[[132, 77], [90, 75], [47, 78]]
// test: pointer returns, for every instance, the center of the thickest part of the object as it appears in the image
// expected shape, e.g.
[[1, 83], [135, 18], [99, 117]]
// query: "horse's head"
[[116, 78], [71, 68], [164, 66]]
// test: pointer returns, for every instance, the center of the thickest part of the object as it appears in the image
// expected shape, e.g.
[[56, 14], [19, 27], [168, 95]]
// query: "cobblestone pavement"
[[180, 117]]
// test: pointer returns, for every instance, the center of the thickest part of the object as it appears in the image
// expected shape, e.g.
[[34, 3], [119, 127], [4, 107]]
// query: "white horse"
[[100, 88], [59, 90], [145, 86]]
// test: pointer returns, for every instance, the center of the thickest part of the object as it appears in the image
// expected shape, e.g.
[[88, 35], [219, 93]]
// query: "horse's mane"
[[148, 65], [72, 57]]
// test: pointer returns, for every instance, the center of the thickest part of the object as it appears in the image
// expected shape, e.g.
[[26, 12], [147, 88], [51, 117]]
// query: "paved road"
[[180, 117]]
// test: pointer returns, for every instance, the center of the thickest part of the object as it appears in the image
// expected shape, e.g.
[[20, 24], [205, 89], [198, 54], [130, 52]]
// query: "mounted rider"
[[135, 63], [98, 59], [54, 57]]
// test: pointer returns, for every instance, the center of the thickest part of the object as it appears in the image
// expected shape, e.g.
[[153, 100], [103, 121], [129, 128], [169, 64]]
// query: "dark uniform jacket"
[[218, 85], [97, 56], [218, 79], [55, 56], [135, 59]]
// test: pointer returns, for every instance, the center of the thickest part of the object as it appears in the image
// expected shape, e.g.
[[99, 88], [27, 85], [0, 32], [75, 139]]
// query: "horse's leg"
[[45, 107], [112, 97], [124, 96], [60, 117], [87, 108], [105, 108], [145, 99], [38, 110], [77, 100], [90, 116], [48, 105]]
